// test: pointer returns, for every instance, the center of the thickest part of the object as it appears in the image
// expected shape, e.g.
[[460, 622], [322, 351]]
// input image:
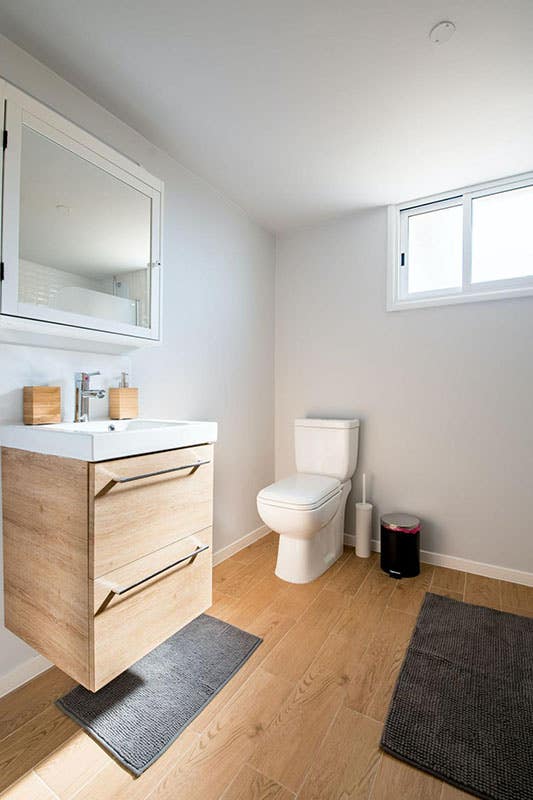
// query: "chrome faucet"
[[84, 394]]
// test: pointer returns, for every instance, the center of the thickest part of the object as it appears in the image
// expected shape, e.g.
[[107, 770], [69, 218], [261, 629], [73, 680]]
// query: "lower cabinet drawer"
[[139, 605]]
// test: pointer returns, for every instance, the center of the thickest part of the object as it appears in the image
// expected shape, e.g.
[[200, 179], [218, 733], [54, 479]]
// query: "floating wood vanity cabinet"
[[104, 561]]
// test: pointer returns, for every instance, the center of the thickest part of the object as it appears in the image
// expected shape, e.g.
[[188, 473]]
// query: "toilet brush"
[[363, 525]]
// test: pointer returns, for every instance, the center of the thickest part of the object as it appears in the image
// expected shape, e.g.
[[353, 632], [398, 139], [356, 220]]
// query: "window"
[[473, 244]]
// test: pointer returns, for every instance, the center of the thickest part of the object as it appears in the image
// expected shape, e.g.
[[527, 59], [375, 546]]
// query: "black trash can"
[[400, 545]]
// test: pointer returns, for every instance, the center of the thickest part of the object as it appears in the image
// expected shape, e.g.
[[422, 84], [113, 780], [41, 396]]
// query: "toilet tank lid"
[[326, 423]]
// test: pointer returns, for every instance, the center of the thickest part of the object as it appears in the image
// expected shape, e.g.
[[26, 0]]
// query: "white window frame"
[[397, 268]]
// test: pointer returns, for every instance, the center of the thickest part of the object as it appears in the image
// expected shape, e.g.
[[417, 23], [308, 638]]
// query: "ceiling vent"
[[442, 32]]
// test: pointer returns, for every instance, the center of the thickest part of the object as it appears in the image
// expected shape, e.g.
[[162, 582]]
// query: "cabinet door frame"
[[21, 109]]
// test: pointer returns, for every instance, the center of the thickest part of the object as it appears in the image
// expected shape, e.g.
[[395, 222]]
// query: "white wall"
[[444, 394], [217, 360]]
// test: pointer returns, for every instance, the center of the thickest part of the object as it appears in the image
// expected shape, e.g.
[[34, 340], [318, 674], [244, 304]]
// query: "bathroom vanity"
[[105, 557]]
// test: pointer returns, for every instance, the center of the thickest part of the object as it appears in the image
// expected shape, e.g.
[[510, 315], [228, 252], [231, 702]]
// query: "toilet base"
[[304, 560]]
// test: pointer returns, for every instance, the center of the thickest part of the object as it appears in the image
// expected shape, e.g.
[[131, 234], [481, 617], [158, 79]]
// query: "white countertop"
[[106, 439]]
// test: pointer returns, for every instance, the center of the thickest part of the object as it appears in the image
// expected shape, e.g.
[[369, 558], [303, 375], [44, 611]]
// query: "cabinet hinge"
[[4, 141]]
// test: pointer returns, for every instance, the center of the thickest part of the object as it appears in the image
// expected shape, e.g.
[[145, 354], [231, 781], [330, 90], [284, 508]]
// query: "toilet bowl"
[[307, 509]]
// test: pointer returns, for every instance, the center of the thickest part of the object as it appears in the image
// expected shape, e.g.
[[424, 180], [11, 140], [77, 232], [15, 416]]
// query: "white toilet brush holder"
[[363, 526], [363, 529]]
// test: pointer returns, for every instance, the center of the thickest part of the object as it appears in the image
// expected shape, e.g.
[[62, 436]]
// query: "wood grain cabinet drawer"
[[138, 606], [146, 502]]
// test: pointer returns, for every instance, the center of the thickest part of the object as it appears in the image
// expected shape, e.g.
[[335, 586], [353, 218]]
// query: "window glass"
[[435, 250], [502, 235]]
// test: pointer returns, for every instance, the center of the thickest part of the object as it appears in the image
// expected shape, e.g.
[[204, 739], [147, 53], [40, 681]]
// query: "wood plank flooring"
[[302, 719]]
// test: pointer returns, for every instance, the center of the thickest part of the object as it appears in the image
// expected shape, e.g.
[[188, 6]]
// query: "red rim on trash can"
[[404, 523]]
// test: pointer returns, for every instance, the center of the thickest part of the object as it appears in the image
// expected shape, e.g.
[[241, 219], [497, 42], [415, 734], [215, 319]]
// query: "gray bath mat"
[[463, 706], [141, 712]]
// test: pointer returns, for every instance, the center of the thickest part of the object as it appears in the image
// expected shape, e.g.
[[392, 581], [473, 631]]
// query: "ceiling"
[[300, 110]]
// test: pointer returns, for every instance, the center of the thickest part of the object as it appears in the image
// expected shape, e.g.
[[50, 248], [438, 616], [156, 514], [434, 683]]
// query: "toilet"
[[307, 509]]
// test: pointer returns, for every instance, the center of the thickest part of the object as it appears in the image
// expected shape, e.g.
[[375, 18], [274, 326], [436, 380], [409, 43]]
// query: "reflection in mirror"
[[84, 242]]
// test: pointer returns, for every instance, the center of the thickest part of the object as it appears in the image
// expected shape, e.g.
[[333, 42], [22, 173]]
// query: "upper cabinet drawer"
[[146, 502]]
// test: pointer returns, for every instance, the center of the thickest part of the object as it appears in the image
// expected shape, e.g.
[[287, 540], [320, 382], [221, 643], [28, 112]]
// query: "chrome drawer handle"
[[115, 589], [116, 479], [124, 589]]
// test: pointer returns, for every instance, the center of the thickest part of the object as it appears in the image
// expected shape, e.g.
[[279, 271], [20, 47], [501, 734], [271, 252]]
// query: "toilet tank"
[[327, 446]]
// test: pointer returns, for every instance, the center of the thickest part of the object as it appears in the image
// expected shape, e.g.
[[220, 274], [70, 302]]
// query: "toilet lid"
[[300, 491]]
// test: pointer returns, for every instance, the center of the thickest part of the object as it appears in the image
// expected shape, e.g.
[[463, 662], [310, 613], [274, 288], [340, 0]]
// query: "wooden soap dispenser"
[[123, 401]]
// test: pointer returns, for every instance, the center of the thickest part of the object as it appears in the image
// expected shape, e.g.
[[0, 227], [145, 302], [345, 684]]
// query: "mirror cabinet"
[[81, 229]]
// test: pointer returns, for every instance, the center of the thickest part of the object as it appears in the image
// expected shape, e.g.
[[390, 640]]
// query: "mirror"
[[84, 236]]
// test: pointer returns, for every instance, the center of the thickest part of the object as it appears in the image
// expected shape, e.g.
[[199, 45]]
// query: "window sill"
[[460, 298]]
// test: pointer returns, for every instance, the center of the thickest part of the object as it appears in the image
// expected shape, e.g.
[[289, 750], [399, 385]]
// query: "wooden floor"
[[303, 717]]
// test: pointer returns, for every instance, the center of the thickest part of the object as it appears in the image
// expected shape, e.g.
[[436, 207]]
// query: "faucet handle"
[[81, 376]]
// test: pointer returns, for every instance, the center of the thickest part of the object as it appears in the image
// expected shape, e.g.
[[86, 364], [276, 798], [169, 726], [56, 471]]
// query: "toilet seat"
[[300, 505], [301, 492]]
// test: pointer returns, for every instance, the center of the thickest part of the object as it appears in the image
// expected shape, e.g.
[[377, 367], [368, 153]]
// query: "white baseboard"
[[239, 544], [23, 673], [461, 564]]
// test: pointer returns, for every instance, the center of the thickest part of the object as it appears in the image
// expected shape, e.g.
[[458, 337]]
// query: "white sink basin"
[[104, 439]]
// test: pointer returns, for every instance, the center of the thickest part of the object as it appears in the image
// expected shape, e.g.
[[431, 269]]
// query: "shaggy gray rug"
[[463, 705], [141, 712]]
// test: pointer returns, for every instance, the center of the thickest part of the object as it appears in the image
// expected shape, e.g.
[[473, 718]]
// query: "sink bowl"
[[109, 438], [114, 425]]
